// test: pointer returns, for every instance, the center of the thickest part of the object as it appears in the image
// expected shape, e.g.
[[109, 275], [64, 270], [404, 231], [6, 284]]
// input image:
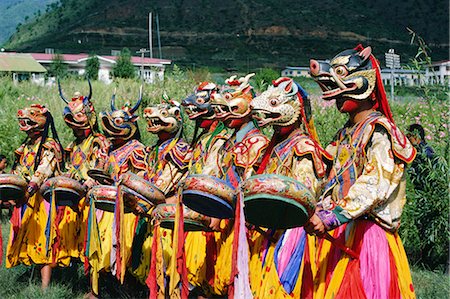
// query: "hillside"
[[14, 12], [238, 33]]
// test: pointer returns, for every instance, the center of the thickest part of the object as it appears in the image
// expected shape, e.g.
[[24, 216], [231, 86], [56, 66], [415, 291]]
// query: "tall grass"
[[433, 114]]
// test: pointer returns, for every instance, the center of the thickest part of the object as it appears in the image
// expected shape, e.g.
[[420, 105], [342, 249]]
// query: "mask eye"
[[118, 121], [200, 100], [164, 113], [274, 102], [341, 71]]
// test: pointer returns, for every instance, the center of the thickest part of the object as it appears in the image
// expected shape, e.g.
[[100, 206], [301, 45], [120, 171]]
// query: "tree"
[[124, 68], [264, 78], [58, 68], [92, 67]]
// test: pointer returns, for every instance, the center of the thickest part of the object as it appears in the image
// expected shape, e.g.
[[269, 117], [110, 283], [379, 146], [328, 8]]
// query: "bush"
[[58, 68], [124, 68], [92, 67]]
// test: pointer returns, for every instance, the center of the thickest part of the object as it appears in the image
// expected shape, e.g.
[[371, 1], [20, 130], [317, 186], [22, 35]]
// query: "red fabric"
[[56, 244], [181, 255], [211, 256], [151, 278], [394, 291], [352, 285], [118, 219], [267, 154], [234, 269], [379, 93], [307, 278], [15, 222]]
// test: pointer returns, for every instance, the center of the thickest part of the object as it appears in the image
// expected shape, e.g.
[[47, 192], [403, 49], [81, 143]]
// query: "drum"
[[100, 176], [193, 221], [68, 192], [209, 196], [105, 197], [12, 187], [147, 195], [276, 201]]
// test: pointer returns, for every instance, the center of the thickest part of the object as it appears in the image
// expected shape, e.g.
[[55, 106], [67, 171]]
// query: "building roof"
[[20, 63], [75, 58], [297, 68]]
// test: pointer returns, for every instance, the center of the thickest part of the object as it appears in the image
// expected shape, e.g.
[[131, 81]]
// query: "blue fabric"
[[289, 277]]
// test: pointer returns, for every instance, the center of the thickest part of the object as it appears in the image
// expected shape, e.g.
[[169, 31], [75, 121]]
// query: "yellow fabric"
[[264, 278], [141, 272], [175, 278], [29, 245], [222, 268], [401, 263], [330, 291], [195, 250]]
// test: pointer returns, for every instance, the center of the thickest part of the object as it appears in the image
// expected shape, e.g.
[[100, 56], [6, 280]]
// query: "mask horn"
[[132, 110], [61, 93], [90, 90], [113, 99]]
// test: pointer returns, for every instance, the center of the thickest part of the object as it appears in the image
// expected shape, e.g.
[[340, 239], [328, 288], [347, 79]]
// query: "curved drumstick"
[[341, 246]]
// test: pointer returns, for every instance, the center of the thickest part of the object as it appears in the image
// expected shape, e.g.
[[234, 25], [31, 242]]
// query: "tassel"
[[49, 229], [241, 284]]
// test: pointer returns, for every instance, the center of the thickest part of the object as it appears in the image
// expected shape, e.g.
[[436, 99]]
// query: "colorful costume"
[[38, 158], [84, 153], [364, 197], [106, 247], [282, 261], [242, 153], [166, 165], [200, 247]]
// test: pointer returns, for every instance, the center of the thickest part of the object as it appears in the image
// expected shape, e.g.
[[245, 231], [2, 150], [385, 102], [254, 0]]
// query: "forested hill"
[[14, 12], [238, 33]]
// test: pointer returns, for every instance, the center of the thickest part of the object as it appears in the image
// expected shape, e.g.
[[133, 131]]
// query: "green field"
[[432, 112]]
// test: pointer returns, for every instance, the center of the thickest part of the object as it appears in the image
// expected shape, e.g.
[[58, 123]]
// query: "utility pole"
[[150, 42], [142, 51], [392, 62], [159, 38]]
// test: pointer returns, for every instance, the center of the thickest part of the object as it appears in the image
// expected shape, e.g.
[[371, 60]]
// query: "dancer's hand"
[[315, 226]]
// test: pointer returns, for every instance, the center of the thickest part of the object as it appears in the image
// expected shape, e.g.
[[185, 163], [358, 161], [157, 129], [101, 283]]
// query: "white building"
[[403, 77], [438, 72], [295, 71], [152, 68], [21, 67]]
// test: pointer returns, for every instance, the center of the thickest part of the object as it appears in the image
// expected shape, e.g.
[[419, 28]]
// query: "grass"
[[71, 282], [21, 283]]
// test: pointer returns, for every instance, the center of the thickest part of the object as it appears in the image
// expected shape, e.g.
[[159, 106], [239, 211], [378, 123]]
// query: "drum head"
[[63, 196], [11, 192], [100, 176], [274, 211], [189, 225], [105, 205], [207, 204]]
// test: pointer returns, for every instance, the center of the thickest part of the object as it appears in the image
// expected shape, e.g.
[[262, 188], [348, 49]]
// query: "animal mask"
[[234, 103], [163, 118], [198, 104], [282, 104], [350, 75], [121, 123], [32, 119], [79, 114]]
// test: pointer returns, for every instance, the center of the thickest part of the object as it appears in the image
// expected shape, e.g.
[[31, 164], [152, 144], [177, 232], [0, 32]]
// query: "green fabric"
[[219, 128]]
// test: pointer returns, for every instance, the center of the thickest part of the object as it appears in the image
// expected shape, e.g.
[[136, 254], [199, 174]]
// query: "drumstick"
[[262, 232], [341, 246]]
